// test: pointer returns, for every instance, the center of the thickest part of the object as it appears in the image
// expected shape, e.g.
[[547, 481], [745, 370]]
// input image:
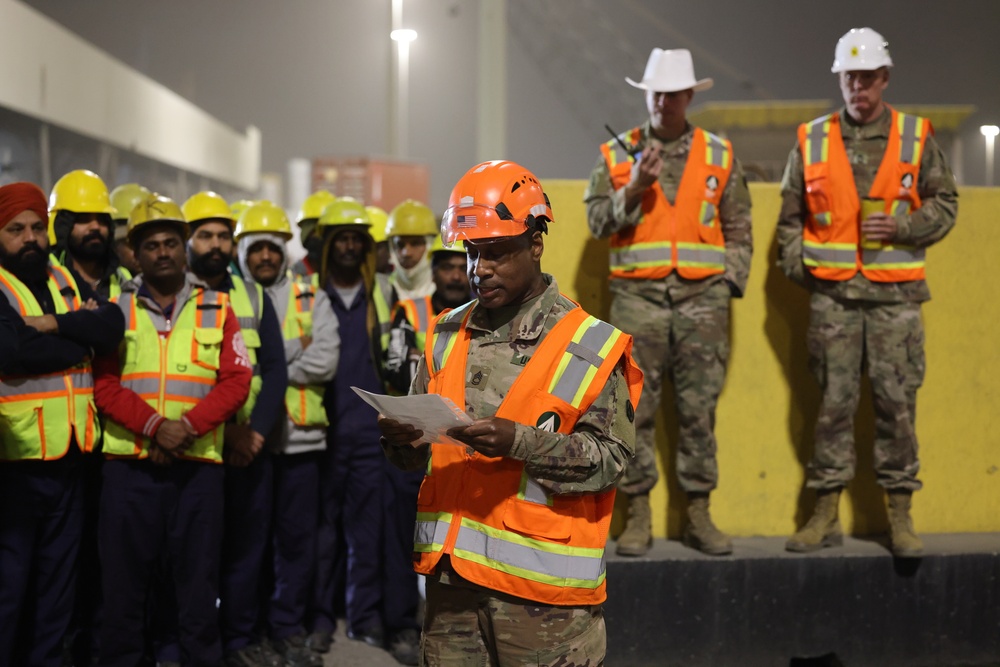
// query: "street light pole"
[[989, 133], [400, 84]]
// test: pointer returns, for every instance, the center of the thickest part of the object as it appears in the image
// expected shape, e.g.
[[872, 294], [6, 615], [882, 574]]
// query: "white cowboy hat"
[[668, 71]]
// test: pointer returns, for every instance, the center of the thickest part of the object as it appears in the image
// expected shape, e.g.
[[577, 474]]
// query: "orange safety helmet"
[[495, 200]]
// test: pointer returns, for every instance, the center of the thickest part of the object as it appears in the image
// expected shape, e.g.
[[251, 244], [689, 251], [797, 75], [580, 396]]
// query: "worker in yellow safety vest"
[[180, 374], [513, 514], [82, 231], [249, 474], [48, 419], [312, 350]]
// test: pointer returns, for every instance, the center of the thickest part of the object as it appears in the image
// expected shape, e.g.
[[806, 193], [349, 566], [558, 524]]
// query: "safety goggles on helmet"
[[485, 224]]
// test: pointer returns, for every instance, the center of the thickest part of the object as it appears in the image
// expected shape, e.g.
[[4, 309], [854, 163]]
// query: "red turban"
[[16, 198]]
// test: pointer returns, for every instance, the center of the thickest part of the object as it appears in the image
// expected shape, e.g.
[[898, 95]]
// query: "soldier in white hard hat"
[[865, 191], [674, 202]]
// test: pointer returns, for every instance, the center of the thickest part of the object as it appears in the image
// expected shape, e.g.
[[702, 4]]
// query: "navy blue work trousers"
[[41, 519], [296, 519], [249, 503], [351, 486], [400, 515], [148, 511]]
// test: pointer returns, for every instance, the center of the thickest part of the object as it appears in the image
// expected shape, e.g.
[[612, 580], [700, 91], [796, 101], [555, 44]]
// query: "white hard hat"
[[861, 49]]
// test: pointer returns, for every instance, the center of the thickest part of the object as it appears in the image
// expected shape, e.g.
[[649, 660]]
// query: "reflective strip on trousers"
[[528, 558], [843, 257], [706, 256], [637, 256], [429, 536]]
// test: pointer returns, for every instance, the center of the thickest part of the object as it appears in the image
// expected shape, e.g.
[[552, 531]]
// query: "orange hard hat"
[[495, 200]]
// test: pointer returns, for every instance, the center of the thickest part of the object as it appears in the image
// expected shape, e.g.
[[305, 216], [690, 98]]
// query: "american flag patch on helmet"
[[466, 221]]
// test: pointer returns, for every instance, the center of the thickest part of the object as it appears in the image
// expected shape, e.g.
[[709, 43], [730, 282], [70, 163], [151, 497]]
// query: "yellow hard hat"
[[314, 204], [80, 191], [378, 218], [156, 208], [125, 197], [438, 246], [344, 211], [411, 218], [207, 205], [240, 205], [264, 217]]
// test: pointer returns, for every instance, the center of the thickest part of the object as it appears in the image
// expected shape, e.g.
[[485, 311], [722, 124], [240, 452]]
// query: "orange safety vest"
[[41, 414], [419, 313], [498, 525], [685, 236], [832, 247]]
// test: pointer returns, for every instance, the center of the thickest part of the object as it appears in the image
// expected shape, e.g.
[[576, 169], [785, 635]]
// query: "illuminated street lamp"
[[403, 35], [989, 133]]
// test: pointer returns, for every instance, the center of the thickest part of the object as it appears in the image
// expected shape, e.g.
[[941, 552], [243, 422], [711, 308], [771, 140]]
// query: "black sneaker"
[[404, 646], [372, 636], [320, 641]]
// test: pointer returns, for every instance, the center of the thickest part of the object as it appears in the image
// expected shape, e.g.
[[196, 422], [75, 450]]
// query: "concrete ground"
[[350, 653]]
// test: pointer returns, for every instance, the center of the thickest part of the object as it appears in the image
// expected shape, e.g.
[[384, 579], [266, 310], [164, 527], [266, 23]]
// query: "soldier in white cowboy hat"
[[674, 202]]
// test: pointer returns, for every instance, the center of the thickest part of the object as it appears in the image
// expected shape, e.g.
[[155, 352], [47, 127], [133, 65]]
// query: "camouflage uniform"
[[680, 326], [856, 321], [481, 626]]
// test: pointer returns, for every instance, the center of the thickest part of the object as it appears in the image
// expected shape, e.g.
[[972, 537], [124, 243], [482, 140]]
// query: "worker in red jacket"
[[181, 372]]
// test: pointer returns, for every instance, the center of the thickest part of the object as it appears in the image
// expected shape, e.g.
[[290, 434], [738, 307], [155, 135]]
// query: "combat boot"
[[903, 540], [700, 533], [638, 533], [823, 527]]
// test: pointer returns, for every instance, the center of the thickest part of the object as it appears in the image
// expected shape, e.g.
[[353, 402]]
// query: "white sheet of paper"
[[431, 413]]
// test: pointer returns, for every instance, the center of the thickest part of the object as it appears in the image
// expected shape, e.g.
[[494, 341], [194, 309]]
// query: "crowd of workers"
[[187, 475]]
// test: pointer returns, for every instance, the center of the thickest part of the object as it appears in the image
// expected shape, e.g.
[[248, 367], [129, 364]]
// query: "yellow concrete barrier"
[[768, 408]]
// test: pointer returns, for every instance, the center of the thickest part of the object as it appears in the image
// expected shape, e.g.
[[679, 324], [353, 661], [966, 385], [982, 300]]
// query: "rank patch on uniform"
[[478, 377]]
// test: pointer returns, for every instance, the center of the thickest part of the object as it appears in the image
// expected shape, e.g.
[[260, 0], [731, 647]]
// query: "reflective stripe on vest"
[[383, 309], [40, 414], [247, 302], [418, 313], [304, 403], [832, 247], [507, 533], [685, 236], [171, 372]]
